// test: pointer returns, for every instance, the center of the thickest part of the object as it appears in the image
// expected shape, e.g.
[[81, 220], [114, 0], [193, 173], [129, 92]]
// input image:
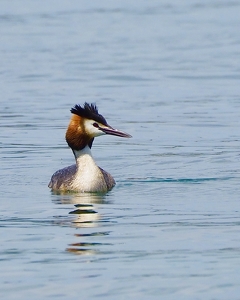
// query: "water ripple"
[[177, 180]]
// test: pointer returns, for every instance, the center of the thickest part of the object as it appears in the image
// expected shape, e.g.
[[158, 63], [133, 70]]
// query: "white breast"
[[88, 177]]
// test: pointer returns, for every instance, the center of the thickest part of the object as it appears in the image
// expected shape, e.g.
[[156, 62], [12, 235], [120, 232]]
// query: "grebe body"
[[85, 176]]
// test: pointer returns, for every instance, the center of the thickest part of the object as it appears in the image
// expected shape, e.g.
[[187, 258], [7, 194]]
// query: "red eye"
[[96, 125]]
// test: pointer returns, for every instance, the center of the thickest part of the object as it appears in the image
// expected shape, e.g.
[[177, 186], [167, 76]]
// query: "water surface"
[[168, 74]]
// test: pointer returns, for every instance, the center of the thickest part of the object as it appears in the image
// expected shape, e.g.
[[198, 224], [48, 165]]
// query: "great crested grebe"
[[85, 176]]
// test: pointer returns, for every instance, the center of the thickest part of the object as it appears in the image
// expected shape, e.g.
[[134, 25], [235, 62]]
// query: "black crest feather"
[[88, 111]]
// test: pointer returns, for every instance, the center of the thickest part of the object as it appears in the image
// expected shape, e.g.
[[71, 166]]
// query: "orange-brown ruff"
[[85, 176]]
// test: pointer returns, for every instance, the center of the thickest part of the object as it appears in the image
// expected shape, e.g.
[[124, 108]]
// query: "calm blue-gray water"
[[166, 72]]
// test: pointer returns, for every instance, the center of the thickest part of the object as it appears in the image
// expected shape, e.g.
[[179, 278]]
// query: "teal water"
[[168, 74]]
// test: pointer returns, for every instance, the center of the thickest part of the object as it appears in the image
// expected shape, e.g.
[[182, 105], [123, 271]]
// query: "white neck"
[[80, 153]]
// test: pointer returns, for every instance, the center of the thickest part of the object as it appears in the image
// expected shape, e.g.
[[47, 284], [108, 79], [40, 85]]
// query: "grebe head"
[[86, 124]]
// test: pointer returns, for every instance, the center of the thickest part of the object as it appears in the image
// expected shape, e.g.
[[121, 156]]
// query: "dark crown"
[[88, 111]]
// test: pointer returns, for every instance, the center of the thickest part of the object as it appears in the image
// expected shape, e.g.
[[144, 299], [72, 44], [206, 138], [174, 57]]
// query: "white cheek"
[[91, 130]]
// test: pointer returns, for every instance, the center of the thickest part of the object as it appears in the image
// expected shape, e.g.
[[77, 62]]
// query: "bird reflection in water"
[[84, 215]]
